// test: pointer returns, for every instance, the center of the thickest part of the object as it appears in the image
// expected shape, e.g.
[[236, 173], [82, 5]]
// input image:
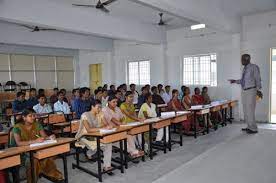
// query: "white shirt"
[[64, 107], [166, 97], [151, 110], [105, 101], [135, 97], [46, 108]]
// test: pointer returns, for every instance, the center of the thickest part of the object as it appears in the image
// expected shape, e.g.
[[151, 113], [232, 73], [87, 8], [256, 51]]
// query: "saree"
[[46, 166]]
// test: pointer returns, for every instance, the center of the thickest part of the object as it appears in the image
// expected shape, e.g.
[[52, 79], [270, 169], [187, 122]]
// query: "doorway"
[[273, 86], [95, 72]]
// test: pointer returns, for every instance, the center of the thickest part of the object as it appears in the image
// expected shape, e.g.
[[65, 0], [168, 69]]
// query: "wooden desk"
[[11, 158], [232, 104], [120, 135], [4, 137], [41, 152], [204, 110], [177, 120]]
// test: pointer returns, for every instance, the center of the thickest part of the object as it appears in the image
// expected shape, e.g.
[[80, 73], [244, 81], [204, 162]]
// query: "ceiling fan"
[[100, 5], [163, 22], [37, 29]]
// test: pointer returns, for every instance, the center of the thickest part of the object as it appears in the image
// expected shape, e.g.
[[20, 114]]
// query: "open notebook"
[[46, 142], [105, 131], [131, 124]]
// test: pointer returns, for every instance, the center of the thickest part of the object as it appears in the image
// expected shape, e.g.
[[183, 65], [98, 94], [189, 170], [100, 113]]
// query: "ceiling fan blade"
[[27, 26], [108, 2], [45, 29], [168, 20], [84, 5], [104, 9]]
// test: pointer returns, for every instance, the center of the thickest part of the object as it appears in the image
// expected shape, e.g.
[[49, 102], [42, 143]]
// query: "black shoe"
[[244, 129], [251, 131]]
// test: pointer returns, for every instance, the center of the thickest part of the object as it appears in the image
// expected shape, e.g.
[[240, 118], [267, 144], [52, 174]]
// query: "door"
[[95, 71], [273, 86]]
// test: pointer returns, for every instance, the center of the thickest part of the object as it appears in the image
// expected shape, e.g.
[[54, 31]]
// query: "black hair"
[[117, 91], [32, 89], [63, 90], [112, 97], [167, 86], [41, 95], [128, 93], [27, 111], [174, 91], [19, 94], [196, 89], [159, 85], [40, 91], [143, 88], [55, 89], [153, 88], [131, 85], [147, 96], [96, 102], [111, 86], [60, 92]]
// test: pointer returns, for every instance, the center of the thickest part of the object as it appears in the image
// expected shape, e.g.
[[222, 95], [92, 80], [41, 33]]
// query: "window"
[[139, 72], [200, 70]]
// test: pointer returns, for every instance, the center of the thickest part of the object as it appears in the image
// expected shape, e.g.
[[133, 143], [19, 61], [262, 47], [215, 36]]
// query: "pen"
[[37, 136]]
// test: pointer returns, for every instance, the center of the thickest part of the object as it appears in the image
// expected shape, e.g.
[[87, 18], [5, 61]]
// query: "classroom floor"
[[226, 155]]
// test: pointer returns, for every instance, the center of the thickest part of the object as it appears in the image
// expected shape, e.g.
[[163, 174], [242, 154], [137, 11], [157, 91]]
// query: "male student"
[[61, 105], [142, 98], [82, 104], [42, 107], [32, 101], [134, 93], [167, 95], [19, 104], [112, 90], [54, 98], [156, 98]]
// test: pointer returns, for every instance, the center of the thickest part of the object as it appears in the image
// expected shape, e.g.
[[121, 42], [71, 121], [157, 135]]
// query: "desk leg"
[[32, 166], [165, 139], [150, 141], [207, 122], [181, 134], [195, 130], [125, 153], [231, 114], [143, 145], [170, 138], [122, 156], [99, 159], [64, 159]]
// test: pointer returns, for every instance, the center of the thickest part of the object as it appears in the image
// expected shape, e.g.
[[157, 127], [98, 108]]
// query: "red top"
[[197, 100], [176, 103]]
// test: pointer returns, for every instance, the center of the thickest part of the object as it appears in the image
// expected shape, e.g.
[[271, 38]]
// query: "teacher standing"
[[250, 84]]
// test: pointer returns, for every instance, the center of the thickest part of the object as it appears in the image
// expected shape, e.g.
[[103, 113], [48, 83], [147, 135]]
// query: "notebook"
[[167, 114], [46, 142], [194, 107], [131, 124], [105, 131]]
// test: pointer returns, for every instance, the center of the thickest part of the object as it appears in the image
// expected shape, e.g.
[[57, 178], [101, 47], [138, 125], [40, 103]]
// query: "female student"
[[28, 132], [148, 110], [104, 98], [197, 99], [115, 118], [90, 122], [175, 103], [206, 97]]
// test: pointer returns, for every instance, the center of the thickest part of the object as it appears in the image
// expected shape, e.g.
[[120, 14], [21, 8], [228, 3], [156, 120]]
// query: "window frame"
[[139, 79], [194, 73]]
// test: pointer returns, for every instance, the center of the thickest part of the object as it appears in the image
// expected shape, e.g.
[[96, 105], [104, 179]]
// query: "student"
[[187, 100], [42, 107], [28, 132], [128, 109], [105, 87], [123, 92], [197, 99], [167, 95], [115, 118], [181, 94], [32, 101], [175, 103], [82, 104], [160, 89], [98, 94], [75, 96], [156, 98], [134, 93], [54, 98], [90, 122], [148, 110], [19, 104], [104, 99], [206, 97], [64, 94], [147, 86], [141, 98], [112, 90], [61, 105], [118, 95]]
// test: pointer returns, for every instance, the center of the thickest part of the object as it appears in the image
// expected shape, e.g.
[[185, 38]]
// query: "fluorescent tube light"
[[198, 26]]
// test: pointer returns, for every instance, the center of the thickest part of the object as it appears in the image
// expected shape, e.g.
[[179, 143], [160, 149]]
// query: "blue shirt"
[[32, 101], [81, 106], [141, 100], [19, 106], [250, 77]]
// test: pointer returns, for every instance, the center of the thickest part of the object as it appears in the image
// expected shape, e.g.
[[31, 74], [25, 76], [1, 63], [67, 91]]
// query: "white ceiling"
[[131, 10]]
